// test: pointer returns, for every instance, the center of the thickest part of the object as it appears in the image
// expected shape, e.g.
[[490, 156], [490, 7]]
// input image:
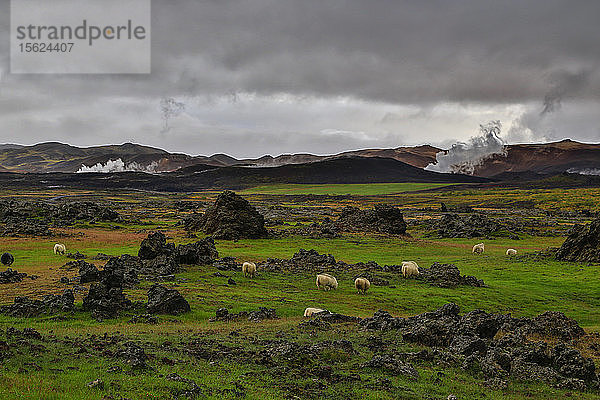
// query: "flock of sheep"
[[328, 282]]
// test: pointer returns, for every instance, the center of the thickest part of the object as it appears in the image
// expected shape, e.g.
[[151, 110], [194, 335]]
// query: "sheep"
[[478, 248], [327, 281], [311, 310], [249, 269], [59, 248], [362, 285], [410, 268], [511, 252]]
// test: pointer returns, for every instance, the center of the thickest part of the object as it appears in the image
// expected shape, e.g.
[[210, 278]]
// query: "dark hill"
[[196, 177]]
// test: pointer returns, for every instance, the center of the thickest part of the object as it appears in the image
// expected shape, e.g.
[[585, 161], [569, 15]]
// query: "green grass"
[[520, 286], [343, 189]]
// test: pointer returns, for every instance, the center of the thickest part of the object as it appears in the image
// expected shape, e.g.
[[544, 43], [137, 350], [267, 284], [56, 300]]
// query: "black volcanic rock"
[[447, 276], [200, 252], [86, 211], [26, 307], [473, 339], [87, 272], [11, 276], [155, 245], [471, 226], [582, 244], [105, 299], [162, 300], [382, 218], [7, 259], [233, 217]]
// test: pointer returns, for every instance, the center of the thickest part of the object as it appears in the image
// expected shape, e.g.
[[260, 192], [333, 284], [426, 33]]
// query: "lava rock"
[[77, 255], [447, 276], [382, 218], [87, 272], [232, 217], [25, 227], [582, 244], [11, 276], [226, 264], [155, 245], [7, 259], [198, 253], [311, 258], [85, 211], [162, 300], [26, 307], [223, 314], [126, 266], [134, 355], [471, 226], [105, 299]]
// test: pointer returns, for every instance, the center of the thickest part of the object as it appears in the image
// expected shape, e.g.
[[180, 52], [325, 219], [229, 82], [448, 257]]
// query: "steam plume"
[[465, 157], [170, 109], [118, 165]]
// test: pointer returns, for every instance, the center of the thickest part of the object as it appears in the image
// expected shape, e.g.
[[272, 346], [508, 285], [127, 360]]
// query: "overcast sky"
[[276, 76]]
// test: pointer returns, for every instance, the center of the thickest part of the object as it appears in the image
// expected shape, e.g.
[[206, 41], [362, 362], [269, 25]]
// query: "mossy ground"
[[521, 286]]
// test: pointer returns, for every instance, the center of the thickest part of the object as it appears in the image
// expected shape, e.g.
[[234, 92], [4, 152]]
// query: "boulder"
[[162, 300], [233, 217], [582, 244], [87, 272], [106, 299], [447, 276], [26, 307], [155, 245], [11, 276], [198, 253], [471, 226], [7, 259], [382, 218]]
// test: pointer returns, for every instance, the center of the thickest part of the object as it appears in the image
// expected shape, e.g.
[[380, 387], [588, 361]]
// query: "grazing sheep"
[[362, 285], [249, 269], [511, 252], [410, 268], [327, 281], [478, 248], [311, 310], [59, 248]]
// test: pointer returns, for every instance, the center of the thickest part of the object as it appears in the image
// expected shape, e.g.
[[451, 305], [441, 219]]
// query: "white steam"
[[119, 166], [170, 109], [463, 157], [584, 171]]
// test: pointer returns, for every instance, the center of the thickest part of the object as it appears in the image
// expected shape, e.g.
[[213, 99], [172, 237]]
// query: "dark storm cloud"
[[401, 53]]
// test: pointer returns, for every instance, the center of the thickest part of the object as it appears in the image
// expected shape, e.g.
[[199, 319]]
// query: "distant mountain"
[[418, 156], [351, 169], [59, 157], [546, 159], [522, 160]]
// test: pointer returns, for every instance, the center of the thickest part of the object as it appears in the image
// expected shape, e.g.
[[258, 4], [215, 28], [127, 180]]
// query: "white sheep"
[[249, 269], [478, 248], [362, 285], [410, 268], [60, 248], [511, 252], [311, 310], [327, 281]]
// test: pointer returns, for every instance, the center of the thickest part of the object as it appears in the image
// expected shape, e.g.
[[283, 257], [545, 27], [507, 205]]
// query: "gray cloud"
[[269, 76]]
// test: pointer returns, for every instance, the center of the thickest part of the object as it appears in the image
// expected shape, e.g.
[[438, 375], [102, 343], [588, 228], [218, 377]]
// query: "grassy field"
[[76, 349], [344, 189]]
